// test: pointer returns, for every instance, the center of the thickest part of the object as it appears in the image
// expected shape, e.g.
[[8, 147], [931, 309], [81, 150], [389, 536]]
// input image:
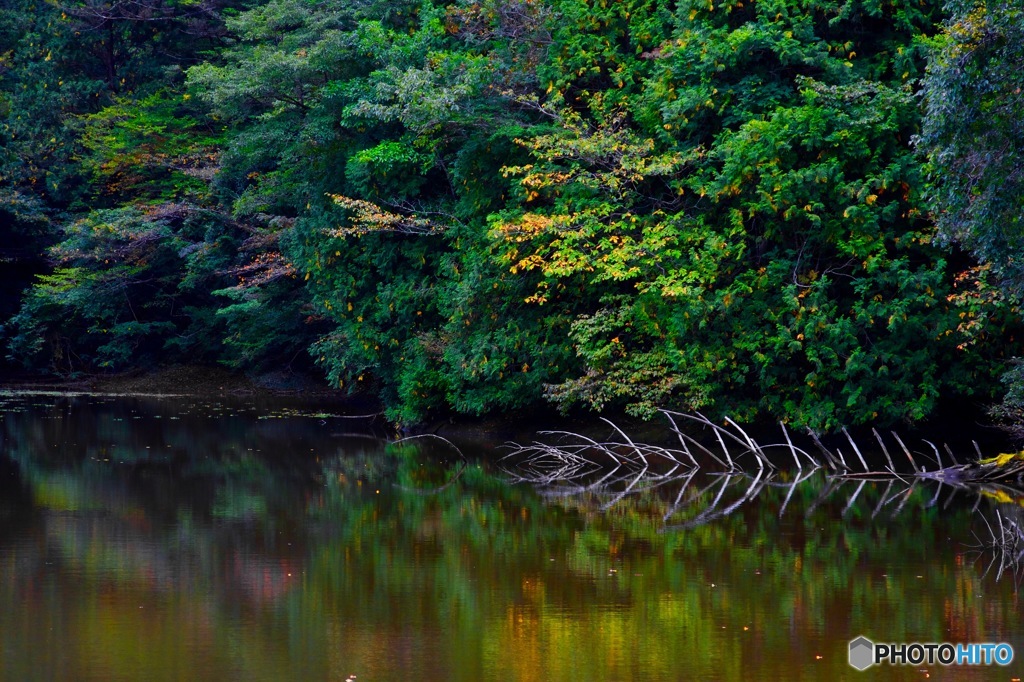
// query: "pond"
[[177, 539]]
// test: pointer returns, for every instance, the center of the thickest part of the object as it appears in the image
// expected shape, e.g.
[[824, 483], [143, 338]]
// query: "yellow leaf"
[[998, 495], [1003, 459]]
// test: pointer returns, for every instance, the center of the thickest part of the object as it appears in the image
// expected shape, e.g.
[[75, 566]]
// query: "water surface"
[[174, 539]]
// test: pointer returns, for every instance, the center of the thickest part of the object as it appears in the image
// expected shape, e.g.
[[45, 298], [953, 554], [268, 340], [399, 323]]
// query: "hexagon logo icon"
[[862, 653]]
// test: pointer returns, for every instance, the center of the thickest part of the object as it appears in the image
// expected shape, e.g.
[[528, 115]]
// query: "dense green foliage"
[[476, 205], [973, 124]]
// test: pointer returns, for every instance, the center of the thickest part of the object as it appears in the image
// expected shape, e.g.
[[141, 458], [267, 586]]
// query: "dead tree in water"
[[734, 450], [704, 478]]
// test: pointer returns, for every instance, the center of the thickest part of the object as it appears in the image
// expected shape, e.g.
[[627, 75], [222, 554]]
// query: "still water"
[[175, 539]]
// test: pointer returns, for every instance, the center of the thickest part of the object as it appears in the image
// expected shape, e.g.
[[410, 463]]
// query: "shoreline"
[[185, 381], [182, 381]]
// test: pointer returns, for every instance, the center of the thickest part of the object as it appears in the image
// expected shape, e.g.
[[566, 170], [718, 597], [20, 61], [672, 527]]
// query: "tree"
[[973, 124], [750, 219], [470, 205]]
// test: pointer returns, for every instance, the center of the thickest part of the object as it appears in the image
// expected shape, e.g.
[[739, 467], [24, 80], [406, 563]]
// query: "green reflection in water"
[[233, 547]]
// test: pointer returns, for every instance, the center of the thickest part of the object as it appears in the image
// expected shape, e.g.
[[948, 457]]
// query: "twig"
[[885, 450], [855, 449], [907, 452], [853, 498], [938, 457]]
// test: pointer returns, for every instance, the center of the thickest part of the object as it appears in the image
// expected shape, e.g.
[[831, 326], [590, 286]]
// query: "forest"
[[802, 210]]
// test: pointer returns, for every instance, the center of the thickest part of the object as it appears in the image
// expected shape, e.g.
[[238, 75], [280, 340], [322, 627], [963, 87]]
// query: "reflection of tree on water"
[[580, 471], [408, 562], [168, 494], [1001, 544], [15, 498]]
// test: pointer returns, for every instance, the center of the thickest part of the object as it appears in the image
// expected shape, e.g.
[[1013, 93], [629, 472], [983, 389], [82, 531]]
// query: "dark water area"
[[176, 539]]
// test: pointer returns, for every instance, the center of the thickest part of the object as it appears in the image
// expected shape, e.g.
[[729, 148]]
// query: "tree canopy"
[[480, 205]]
